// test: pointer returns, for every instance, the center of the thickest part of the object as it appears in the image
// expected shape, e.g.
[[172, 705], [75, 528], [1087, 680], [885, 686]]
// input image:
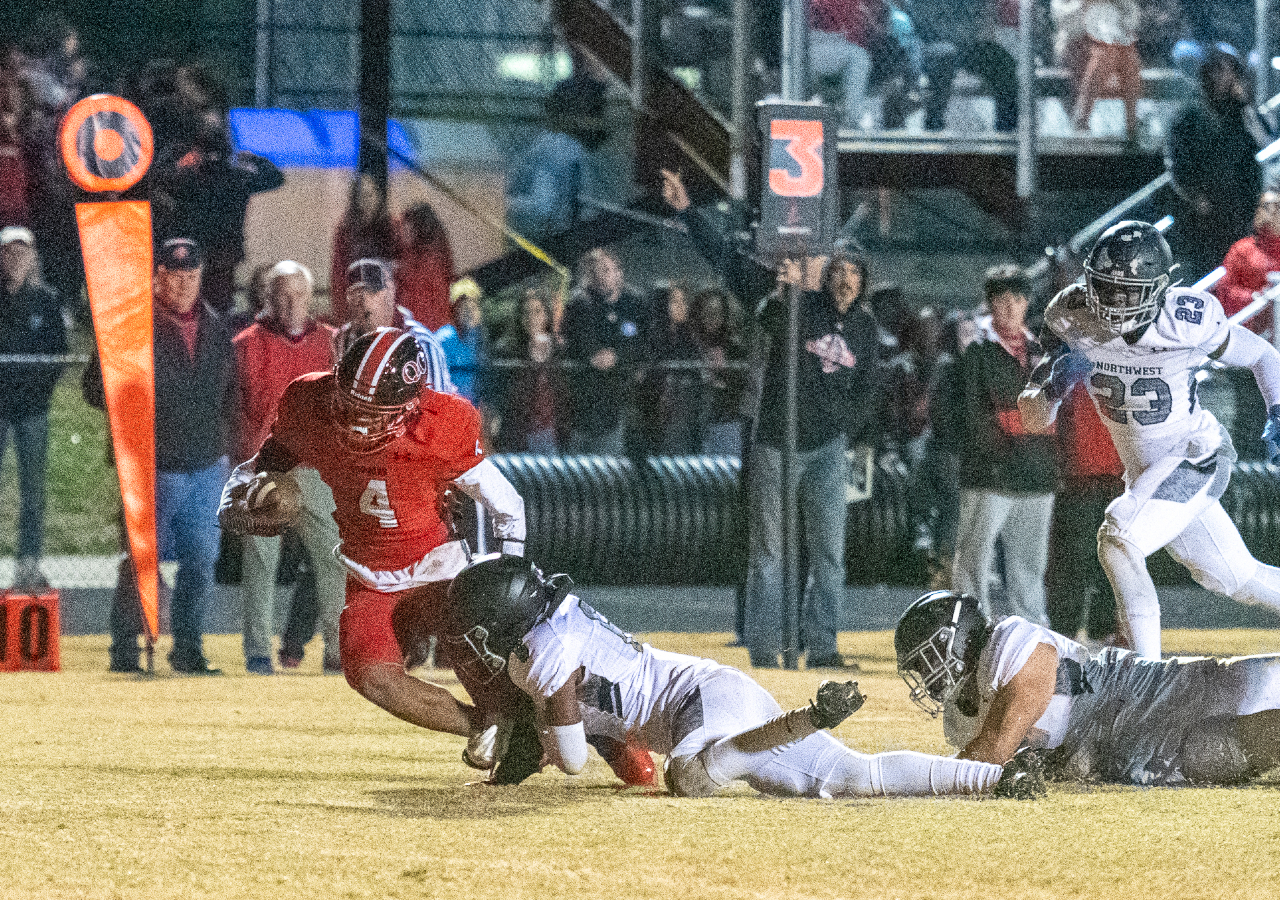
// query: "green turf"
[[293, 786]]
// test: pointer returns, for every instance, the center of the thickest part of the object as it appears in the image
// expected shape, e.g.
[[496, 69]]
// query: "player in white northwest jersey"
[[587, 678], [1136, 342], [1111, 717]]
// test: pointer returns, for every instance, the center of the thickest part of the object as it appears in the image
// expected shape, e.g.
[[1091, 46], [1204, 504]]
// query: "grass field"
[[241, 787]]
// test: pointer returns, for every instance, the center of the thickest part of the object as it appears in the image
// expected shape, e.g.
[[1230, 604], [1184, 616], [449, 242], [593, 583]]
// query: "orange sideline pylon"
[[106, 145]]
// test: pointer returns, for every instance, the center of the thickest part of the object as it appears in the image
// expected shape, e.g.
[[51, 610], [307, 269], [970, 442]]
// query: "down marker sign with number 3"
[[804, 145]]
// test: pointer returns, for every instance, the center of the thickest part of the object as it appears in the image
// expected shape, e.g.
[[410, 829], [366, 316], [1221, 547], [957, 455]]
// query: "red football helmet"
[[376, 390]]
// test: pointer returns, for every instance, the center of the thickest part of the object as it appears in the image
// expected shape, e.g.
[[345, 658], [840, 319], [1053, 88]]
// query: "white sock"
[[905, 773]]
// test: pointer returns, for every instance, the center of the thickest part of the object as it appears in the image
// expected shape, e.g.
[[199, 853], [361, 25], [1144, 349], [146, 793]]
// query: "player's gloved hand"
[[264, 506], [1271, 435], [1023, 777], [1067, 371]]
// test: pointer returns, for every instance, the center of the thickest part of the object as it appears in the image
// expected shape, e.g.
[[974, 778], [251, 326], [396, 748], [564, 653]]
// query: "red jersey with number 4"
[[388, 501]]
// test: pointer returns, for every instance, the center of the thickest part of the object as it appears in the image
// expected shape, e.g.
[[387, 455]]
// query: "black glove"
[[522, 755], [1023, 777]]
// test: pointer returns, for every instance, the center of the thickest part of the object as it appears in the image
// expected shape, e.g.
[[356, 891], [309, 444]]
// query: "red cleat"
[[632, 764]]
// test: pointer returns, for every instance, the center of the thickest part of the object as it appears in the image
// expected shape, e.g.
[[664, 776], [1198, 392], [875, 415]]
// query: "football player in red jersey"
[[388, 446]]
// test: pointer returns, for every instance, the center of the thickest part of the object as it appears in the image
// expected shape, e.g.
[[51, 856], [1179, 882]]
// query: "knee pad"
[[686, 776], [1212, 754]]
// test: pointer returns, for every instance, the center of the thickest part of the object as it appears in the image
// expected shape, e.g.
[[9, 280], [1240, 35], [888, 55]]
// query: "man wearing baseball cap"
[[371, 299], [194, 377], [30, 323]]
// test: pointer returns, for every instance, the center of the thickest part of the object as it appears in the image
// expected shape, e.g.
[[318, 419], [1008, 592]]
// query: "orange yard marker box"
[[29, 630]]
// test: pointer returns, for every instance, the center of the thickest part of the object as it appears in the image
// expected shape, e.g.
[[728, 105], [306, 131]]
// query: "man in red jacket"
[[285, 342], [1249, 261]]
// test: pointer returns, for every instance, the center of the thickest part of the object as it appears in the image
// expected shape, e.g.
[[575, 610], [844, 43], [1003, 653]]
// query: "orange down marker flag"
[[107, 146]]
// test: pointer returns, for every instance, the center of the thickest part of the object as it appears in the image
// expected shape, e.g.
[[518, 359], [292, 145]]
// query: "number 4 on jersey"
[[377, 503]]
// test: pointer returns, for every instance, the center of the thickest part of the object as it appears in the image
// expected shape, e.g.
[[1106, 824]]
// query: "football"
[[275, 496]]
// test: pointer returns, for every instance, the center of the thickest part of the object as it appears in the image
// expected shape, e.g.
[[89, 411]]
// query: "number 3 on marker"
[[804, 145]]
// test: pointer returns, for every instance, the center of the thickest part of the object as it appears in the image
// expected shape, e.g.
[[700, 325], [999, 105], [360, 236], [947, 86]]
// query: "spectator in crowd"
[[836, 385], [604, 326], [717, 323], [257, 296], [203, 190], [956, 36], [371, 299], [1080, 600], [1007, 476], [666, 398], [555, 169], [365, 231], [424, 267], [937, 485], [1251, 261], [841, 34], [182, 102], [30, 323], [1211, 154], [17, 178], [195, 399], [1110, 55], [283, 344], [465, 339], [533, 412]]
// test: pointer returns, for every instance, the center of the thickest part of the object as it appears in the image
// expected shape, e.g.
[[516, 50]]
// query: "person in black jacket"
[[1007, 476], [837, 383], [1211, 154], [195, 381], [30, 323], [604, 329]]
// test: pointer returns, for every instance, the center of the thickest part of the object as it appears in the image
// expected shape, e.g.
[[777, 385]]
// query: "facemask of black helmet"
[[933, 672]]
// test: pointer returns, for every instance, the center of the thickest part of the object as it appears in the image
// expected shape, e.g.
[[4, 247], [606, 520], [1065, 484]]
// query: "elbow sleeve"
[[1247, 350], [568, 743]]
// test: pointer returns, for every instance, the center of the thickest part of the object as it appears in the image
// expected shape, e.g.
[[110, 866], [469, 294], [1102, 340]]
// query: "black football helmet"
[[937, 641], [493, 603], [1126, 275], [377, 385]]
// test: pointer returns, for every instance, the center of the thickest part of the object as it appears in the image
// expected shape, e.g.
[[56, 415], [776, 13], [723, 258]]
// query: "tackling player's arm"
[[560, 726], [1247, 350], [1016, 707], [489, 487]]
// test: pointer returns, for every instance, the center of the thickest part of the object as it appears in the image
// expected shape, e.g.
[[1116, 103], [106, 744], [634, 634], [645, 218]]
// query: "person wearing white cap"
[[31, 323]]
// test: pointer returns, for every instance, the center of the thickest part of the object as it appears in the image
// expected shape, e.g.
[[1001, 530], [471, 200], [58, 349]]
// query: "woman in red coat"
[[424, 267]]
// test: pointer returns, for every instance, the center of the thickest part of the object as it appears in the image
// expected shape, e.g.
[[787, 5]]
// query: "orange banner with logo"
[[116, 240]]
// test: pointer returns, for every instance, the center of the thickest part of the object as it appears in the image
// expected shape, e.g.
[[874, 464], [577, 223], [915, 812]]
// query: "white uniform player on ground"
[[1137, 342], [1112, 717], [716, 725]]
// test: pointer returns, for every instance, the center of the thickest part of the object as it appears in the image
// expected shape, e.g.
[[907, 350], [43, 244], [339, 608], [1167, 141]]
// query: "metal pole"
[[1027, 175], [644, 21], [791, 586], [375, 88], [262, 86], [741, 111], [795, 86], [795, 50], [1262, 52]]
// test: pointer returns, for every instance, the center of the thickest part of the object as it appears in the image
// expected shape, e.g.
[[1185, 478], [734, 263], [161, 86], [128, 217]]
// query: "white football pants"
[[706, 758], [1174, 504]]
